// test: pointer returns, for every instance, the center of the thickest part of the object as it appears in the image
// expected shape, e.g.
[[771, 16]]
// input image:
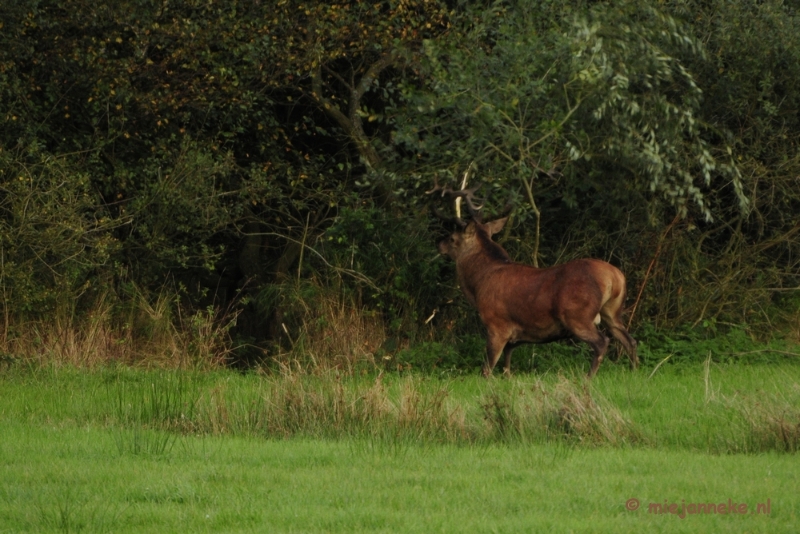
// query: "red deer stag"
[[521, 304]]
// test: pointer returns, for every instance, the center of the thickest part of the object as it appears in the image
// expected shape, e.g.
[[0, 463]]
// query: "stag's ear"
[[495, 226]]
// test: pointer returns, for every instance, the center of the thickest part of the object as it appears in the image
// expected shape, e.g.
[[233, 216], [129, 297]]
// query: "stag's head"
[[470, 236], [475, 237]]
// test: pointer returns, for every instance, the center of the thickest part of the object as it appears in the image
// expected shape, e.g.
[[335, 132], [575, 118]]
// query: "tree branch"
[[351, 122]]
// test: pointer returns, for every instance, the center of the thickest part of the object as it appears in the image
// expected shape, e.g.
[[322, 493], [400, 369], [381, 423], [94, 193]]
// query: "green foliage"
[[177, 214], [532, 94], [56, 241], [174, 144], [603, 122], [738, 268], [435, 357], [649, 103], [395, 254], [722, 344]]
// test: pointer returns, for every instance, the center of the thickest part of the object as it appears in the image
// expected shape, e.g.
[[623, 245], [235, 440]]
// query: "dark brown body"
[[522, 304]]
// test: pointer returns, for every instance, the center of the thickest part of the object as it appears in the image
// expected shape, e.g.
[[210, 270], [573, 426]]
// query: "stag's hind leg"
[[618, 330], [628, 343]]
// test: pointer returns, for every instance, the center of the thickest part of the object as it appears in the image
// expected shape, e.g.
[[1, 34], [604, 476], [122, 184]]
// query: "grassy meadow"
[[117, 449]]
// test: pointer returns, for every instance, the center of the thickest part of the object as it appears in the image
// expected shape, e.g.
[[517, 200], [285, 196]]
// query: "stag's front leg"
[[495, 343], [599, 346]]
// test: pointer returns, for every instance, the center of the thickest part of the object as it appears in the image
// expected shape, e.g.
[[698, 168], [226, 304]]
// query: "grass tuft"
[[774, 424], [567, 410]]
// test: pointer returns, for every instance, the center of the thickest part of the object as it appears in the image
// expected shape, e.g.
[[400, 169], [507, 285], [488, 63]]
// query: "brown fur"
[[522, 304]]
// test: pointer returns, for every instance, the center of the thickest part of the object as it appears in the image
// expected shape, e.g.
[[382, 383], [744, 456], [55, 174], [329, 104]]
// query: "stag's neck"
[[473, 268], [491, 249]]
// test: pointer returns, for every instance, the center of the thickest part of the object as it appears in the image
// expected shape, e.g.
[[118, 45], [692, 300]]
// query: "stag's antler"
[[444, 190], [436, 186], [467, 195], [458, 195]]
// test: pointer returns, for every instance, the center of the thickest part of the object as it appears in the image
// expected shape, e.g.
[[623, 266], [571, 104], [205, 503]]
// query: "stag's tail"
[[611, 313]]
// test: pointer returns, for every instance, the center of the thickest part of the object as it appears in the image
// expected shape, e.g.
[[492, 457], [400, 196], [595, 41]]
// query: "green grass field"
[[122, 450]]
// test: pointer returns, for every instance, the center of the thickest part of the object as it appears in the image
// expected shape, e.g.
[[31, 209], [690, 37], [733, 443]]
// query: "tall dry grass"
[[142, 332], [326, 329], [322, 327]]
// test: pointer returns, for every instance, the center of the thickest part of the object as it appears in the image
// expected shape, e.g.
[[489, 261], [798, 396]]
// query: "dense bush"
[[233, 151]]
